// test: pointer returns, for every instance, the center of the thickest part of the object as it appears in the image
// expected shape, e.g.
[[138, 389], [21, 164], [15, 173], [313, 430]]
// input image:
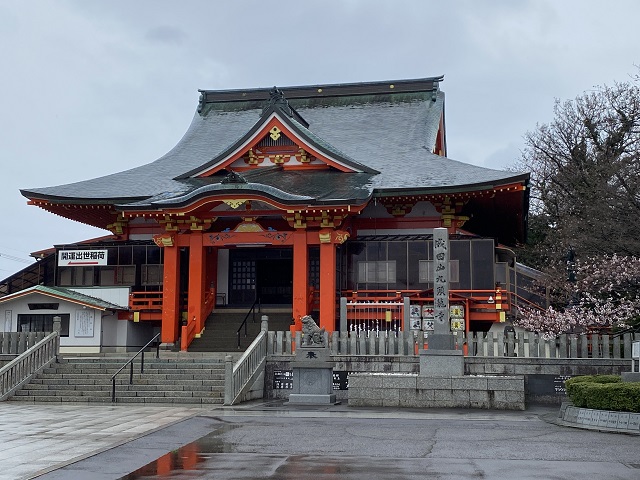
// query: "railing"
[[209, 301], [474, 344], [379, 315], [252, 312], [239, 377], [145, 300], [19, 370], [15, 343], [188, 333], [130, 362]]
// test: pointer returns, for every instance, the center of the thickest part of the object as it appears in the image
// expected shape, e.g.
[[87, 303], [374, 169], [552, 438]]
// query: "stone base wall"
[[414, 391], [544, 366], [602, 420], [490, 366]]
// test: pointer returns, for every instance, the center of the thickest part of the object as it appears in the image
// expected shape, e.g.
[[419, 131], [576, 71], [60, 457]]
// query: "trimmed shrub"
[[621, 397], [594, 379], [604, 392]]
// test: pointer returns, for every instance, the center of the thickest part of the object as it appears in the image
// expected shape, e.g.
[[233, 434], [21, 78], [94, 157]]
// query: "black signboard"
[[547, 384], [340, 380], [282, 379]]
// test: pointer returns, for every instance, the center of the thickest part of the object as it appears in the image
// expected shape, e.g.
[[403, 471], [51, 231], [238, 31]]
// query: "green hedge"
[[604, 392]]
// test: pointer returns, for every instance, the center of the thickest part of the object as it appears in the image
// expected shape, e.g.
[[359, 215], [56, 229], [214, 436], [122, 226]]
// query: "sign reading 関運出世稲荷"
[[79, 258]]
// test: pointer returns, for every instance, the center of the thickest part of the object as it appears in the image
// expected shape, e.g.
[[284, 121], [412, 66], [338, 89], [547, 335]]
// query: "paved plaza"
[[275, 441]]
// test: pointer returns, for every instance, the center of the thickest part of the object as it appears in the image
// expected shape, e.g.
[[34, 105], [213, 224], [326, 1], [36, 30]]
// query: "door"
[[264, 273], [242, 280]]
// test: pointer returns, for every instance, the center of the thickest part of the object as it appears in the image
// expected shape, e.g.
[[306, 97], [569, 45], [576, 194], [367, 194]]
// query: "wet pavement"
[[275, 441], [38, 437]]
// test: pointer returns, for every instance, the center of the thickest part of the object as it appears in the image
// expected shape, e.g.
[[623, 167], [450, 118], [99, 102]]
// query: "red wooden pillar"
[[300, 278], [211, 280], [171, 294], [197, 275], [327, 282]]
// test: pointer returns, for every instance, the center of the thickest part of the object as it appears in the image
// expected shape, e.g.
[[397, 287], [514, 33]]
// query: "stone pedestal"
[[312, 377], [441, 363]]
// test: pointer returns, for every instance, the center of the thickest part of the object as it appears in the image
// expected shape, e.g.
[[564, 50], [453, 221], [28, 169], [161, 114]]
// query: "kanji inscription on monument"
[[441, 280]]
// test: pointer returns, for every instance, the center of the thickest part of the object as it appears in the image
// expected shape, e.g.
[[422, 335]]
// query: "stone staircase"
[[179, 379], [220, 333]]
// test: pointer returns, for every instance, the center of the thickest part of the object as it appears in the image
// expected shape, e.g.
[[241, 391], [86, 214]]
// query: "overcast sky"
[[90, 88]]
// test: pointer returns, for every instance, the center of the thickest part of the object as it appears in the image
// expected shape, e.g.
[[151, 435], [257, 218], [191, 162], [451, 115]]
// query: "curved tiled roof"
[[388, 127]]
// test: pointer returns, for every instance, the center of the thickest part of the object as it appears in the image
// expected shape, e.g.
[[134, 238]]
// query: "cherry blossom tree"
[[605, 293]]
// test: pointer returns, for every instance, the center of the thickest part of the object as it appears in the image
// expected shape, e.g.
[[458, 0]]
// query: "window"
[[426, 271], [43, 322], [122, 275], [377, 272], [43, 306], [75, 276], [152, 274]]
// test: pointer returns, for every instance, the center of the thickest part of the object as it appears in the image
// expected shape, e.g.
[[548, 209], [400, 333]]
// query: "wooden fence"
[[15, 343], [477, 344]]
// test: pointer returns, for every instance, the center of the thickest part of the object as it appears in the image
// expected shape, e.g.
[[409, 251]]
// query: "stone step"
[[80, 399], [201, 387], [159, 365], [122, 393], [181, 378], [147, 371], [148, 384], [166, 357]]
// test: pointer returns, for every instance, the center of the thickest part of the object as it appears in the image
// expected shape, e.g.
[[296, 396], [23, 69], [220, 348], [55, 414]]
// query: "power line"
[[15, 259]]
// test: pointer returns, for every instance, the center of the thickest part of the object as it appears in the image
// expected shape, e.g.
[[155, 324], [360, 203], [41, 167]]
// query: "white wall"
[[85, 323], [222, 280], [116, 295]]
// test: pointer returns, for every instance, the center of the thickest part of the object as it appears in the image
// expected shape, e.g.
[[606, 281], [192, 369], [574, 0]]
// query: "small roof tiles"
[[384, 132]]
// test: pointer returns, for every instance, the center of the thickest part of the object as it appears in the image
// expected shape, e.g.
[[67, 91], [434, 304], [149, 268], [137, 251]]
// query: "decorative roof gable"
[[280, 137]]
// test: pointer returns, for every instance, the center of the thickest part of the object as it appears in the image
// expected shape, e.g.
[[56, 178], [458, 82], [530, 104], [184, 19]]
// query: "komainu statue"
[[311, 333]]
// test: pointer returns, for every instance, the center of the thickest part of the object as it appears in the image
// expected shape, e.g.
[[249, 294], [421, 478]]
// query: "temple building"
[[296, 197]]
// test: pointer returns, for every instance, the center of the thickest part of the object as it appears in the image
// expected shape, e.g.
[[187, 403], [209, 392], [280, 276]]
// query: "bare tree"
[[585, 175]]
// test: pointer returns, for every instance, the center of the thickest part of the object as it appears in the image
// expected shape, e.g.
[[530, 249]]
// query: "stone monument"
[[312, 368], [441, 359]]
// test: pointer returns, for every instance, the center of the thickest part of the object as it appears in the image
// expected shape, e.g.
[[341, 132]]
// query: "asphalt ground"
[[277, 441]]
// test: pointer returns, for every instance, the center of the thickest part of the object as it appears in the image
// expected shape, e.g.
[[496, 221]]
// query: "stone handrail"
[[20, 370], [473, 344], [240, 377]]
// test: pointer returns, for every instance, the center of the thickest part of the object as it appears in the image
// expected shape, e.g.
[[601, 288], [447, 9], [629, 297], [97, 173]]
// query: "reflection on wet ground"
[[186, 458], [365, 444]]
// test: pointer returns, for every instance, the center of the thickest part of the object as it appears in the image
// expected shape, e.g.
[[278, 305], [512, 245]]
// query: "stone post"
[[343, 314], [228, 379], [264, 324], [57, 327], [406, 321]]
